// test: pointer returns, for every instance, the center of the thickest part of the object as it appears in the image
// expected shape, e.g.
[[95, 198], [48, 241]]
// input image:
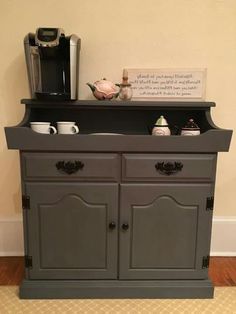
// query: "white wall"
[[118, 34]]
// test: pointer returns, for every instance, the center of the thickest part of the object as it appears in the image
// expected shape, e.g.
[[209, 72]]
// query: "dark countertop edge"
[[116, 103]]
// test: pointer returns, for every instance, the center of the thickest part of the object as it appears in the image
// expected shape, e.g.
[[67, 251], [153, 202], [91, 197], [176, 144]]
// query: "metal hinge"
[[28, 261], [210, 203], [25, 202], [205, 261]]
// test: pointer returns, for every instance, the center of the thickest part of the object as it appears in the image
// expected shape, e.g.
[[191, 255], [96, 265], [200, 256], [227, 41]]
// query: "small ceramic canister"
[[161, 127], [191, 128]]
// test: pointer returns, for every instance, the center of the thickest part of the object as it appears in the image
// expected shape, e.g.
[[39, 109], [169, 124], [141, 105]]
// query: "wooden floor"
[[222, 270]]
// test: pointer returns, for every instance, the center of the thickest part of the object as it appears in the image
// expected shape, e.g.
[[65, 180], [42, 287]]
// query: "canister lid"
[[191, 125], [161, 121]]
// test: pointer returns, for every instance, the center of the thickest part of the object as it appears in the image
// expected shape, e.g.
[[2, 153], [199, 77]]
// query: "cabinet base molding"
[[114, 289]]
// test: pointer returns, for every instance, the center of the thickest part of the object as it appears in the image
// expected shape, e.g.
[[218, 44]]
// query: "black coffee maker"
[[53, 64]]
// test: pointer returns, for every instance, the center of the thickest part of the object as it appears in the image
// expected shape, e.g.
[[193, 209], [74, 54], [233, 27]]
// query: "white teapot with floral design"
[[104, 89]]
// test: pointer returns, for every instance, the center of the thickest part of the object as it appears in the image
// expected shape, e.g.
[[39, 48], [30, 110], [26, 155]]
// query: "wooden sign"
[[168, 84]]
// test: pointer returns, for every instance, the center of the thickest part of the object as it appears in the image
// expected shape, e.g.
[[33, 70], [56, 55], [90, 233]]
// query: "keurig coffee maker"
[[52, 63]]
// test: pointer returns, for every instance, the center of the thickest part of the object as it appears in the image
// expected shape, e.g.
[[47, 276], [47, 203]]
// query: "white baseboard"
[[223, 241], [11, 237]]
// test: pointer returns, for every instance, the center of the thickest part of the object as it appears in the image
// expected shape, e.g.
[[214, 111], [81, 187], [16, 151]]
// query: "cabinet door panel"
[[169, 231], [69, 235]]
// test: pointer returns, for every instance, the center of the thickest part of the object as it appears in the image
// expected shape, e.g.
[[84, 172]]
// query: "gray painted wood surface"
[[115, 103], [135, 119], [116, 289], [23, 138], [166, 238], [43, 166], [142, 167], [68, 230]]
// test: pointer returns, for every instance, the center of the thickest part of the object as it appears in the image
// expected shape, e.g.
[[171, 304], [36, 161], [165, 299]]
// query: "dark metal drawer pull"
[[69, 167], [168, 168]]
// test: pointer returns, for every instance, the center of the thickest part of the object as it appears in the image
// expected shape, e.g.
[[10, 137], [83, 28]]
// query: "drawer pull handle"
[[69, 167], [112, 225], [168, 168], [125, 226]]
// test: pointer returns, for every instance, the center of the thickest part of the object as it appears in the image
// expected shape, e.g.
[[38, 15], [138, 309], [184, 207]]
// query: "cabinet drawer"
[[70, 166], [168, 167]]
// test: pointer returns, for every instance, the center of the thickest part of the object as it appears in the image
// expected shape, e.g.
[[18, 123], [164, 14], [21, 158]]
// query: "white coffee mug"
[[42, 127], [67, 127]]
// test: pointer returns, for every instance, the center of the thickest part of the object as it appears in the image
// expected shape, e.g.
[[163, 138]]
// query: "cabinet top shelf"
[[135, 119], [117, 104]]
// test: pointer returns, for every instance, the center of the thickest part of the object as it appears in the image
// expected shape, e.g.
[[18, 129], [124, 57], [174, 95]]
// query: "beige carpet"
[[224, 302]]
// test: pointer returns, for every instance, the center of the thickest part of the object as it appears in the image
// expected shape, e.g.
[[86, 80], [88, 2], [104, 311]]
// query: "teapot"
[[161, 127], [104, 89]]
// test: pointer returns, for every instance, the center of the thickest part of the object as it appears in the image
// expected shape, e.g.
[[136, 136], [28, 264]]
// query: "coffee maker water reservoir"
[[53, 64]]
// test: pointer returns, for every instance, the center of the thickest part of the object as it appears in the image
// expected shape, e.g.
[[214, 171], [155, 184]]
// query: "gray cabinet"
[[73, 230], [125, 216]]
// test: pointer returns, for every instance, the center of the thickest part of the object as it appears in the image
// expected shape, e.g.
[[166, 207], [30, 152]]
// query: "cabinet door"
[[69, 231], [164, 231]]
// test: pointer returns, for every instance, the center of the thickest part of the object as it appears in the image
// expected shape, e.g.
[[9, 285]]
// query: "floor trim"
[[116, 289]]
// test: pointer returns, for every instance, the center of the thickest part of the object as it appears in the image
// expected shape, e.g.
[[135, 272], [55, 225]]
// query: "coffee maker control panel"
[[48, 37]]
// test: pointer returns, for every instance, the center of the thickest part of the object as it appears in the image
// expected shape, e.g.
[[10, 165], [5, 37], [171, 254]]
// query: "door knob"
[[125, 226], [112, 225]]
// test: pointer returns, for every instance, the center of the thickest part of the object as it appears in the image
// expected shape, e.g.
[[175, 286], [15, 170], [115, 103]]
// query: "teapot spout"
[[92, 87]]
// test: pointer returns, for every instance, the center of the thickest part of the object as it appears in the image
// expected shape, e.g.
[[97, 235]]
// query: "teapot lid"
[[191, 125], [161, 121]]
